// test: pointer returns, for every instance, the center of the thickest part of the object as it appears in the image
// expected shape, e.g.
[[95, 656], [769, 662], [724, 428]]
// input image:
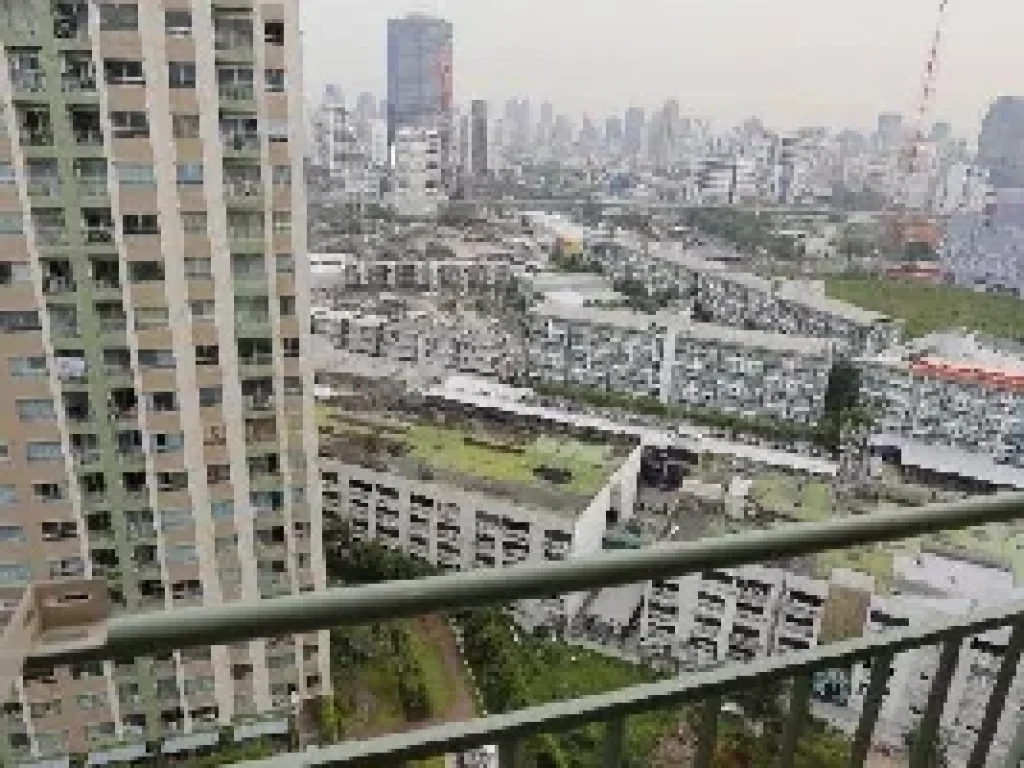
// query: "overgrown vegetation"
[[514, 670], [927, 308]]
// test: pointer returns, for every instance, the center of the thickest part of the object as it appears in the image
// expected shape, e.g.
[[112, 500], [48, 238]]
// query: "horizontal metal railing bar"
[[158, 632], [699, 686]]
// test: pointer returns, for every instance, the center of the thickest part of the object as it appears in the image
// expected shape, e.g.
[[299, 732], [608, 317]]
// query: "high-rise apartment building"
[[420, 93], [478, 137], [1001, 144], [633, 131], [156, 425]]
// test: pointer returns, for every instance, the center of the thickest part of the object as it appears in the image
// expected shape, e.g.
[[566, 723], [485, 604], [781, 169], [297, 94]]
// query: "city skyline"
[[876, 67]]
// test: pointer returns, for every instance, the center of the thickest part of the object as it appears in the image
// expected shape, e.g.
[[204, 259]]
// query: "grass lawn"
[[783, 495], [877, 561], [557, 671], [927, 308], [589, 465], [368, 695]]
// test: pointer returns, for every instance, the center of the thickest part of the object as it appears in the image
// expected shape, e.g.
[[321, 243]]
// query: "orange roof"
[[969, 373]]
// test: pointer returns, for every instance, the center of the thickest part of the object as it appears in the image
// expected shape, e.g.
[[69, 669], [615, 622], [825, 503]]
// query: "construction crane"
[[911, 225]]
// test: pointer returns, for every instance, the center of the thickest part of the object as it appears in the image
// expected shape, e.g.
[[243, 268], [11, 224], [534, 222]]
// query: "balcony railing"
[[127, 636]]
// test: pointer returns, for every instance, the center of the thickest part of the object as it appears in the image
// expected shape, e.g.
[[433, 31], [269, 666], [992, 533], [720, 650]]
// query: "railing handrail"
[[146, 634], [637, 699]]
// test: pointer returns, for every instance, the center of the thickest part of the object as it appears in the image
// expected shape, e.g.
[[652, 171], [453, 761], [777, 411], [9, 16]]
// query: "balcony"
[[163, 632], [236, 92]]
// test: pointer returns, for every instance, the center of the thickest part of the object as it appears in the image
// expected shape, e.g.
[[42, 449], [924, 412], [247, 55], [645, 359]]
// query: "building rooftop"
[[487, 396], [557, 473]]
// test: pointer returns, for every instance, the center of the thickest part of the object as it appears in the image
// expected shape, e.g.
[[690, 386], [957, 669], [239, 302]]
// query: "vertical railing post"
[[881, 665], [1015, 755], [707, 733], [614, 739], [923, 749], [510, 753], [799, 701], [997, 701]]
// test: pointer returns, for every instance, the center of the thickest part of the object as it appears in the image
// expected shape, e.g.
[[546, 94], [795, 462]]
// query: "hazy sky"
[[791, 62]]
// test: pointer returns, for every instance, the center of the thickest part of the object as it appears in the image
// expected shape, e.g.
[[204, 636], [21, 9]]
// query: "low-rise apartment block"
[[734, 615], [751, 373], [743, 300], [949, 391], [475, 496]]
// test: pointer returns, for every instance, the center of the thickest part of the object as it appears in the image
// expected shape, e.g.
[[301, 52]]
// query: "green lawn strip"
[[927, 308], [455, 450]]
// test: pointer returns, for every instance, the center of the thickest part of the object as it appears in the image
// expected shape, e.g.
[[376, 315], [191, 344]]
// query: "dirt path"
[[437, 632]]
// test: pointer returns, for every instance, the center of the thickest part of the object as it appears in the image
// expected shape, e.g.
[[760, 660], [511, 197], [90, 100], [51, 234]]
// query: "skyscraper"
[[157, 419], [890, 130], [1001, 144], [479, 133], [633, 131], [420, 92]]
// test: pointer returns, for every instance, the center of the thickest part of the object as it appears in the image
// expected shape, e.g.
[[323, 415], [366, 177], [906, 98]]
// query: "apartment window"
[[210, 397], [129, 125], [277, 130], [275, 80], [156, 358], [163, 402], [198, 269], [10, 223], [287, 306], [168, 442], [190, 173], [222, 510], [217, 474], [35, 410], [182, 554], [19, 322], [141, 224], [48, 493], [15, 273], [145, 271], [207, 354], [175, 519], [5, 452], [194, 222], [181, 74], [12, 534], [44, 451], [282, 176], [7, 178], [178, 23], [8, 495], [291, 347], [32, 367], [151, 317], [198, 685], [14, 574], [203, 310], [285, 264], [100, 732], [57, 530], [123, 72], [185, 126], [273, 32], [135, 174], [292, 385], [119, 17], [282, 222]]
